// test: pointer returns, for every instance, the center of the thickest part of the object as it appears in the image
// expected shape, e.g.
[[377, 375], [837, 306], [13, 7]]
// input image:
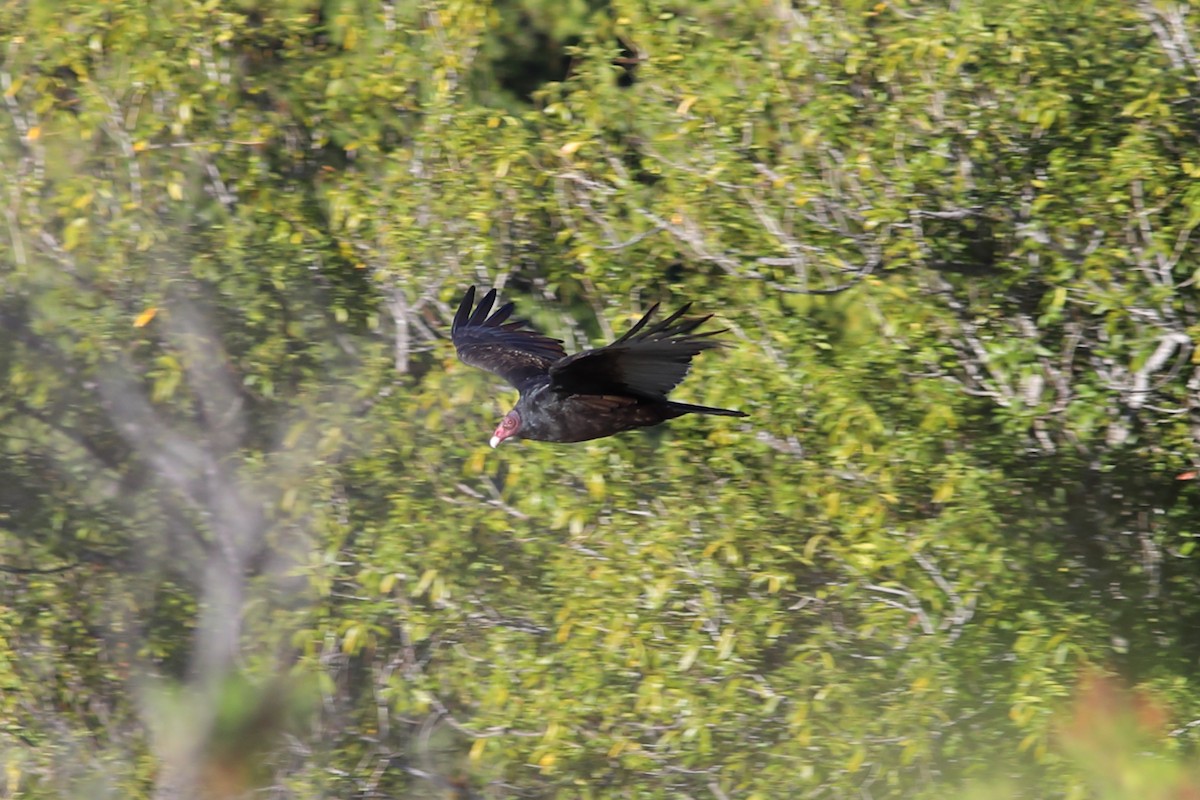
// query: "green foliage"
[[253, 540]]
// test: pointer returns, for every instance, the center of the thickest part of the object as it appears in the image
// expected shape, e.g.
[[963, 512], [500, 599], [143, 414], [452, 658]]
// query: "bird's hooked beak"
[[495, 440]]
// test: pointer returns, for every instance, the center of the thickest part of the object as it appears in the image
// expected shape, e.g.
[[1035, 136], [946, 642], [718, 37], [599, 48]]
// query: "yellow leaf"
[[143, 319], [689, 658], [34, 134], [571, 147], [856, 760], [175, 191], [686, 104], [944, 492], [424, 583], [810, 547], [725, 644], [477, 749], [1058, 299]]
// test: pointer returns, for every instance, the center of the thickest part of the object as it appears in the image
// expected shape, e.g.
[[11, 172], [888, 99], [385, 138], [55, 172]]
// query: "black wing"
[[508, 349], [643, 363]]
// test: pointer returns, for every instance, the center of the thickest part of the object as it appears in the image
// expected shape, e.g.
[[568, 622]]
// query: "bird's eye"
[[509, 422]]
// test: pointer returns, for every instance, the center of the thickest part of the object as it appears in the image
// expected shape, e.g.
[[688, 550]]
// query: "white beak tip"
[[495, 440]]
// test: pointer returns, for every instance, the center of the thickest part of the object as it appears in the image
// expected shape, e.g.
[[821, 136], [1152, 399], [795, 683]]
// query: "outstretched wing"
[[508, 349], [646, 362]]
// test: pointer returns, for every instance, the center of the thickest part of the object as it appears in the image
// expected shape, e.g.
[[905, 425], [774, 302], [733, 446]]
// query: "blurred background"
[[253, 542]]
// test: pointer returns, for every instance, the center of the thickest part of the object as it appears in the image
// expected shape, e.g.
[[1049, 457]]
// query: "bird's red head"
[[507, 427]]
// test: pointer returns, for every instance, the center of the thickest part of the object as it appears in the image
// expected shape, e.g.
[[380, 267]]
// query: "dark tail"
[[688, 408]]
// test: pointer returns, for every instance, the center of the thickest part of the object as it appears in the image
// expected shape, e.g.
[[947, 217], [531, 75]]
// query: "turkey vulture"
[[588, 395]]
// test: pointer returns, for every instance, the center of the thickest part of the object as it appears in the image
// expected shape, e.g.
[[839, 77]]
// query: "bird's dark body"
[[589, 395], [548, 416]]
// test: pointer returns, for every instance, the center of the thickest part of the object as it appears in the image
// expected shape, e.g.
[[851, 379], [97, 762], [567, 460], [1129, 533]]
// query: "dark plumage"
[[588, 395]]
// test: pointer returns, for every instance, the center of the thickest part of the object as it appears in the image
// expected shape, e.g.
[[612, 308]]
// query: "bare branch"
[[1139, 391], [38, 570]]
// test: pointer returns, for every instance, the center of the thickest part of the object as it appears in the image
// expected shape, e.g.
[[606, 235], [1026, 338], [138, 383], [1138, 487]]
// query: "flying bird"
[[589, 395]]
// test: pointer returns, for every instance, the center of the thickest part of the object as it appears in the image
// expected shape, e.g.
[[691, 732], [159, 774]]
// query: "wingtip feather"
[[483, 309], [668, 326], [464, 310], [637, 326], [502, 313]]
